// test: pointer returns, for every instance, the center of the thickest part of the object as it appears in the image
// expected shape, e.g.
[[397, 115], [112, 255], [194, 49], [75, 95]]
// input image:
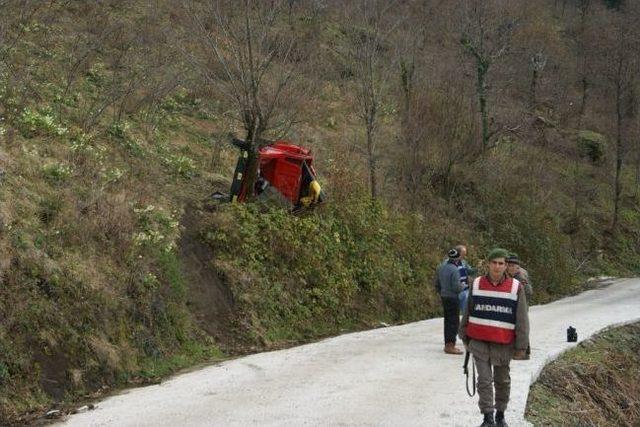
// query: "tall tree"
[[410, 72], [621, 64], [584, 8], [365, 48], [243, 50], [536, 43], [487, 29]]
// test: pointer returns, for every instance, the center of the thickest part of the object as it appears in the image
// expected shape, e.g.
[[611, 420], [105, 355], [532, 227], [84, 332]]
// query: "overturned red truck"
[[282, 166]]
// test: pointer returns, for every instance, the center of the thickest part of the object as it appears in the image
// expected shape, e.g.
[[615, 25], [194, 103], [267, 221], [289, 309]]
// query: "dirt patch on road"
[[595, 384]]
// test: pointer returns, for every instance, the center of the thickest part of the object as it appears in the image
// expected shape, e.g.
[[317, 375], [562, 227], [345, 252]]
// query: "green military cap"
[[497, 253]]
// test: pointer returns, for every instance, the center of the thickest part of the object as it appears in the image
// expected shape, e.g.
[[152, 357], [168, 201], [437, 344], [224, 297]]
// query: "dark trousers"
[[451, 308]]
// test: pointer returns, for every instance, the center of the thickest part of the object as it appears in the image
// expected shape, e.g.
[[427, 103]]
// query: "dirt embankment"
[[209, 298], [595, 384]]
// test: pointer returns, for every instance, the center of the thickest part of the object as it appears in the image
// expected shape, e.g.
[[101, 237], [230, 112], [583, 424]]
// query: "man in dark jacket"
[[515, 270], [495, 329], [467, 274], [449, 286]]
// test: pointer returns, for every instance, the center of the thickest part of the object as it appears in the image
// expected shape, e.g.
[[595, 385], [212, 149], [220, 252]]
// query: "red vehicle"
[[283, 166]]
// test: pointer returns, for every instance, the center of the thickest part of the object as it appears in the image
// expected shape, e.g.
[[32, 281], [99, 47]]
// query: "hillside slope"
[[117, 268]]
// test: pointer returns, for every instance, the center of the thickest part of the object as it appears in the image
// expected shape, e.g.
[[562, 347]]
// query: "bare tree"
[[437, 136], [365, 44], [15, 16], [243, 51], [411, 135], [637, 149], [584, 7], [621, 64], [488, 28], [536, 42], [537, 63]]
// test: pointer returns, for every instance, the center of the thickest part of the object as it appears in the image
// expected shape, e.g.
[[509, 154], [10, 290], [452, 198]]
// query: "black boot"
[[500, 422], [488, 420]]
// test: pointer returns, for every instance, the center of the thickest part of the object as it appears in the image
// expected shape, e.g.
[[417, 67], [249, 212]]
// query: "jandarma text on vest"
[[496, 308]]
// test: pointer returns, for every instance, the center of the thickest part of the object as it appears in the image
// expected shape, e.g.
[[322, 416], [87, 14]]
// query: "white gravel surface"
[[396, 376]]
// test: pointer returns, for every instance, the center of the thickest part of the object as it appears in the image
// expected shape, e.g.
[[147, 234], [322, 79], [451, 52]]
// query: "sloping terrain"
[[597, 383], [116, 268]]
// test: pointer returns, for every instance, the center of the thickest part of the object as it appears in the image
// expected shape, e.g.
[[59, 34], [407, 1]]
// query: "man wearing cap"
[[515, 270], [449, 286], [495, 329]]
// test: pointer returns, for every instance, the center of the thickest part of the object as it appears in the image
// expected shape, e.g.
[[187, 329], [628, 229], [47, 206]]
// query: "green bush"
[[181, 165], [534, 234], [321, 272], [32, 123], [158, 229], [4, 373], [118, 130], [57, 173], [180, 100], [592, 145]]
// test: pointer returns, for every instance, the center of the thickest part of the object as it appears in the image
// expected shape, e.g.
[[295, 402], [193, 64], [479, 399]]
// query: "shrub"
[[118, 130], [179, 101], [320, 272], [57, 173], [159, 229], [592, 145], [181, 165], [32, 123], [4, 373], [534, 234], [112, 175]]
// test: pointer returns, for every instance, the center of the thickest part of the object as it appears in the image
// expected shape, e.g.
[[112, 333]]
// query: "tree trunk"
[[619, 158], [254, 133], [372, 160], [532, 93], [252, 173], [583, 103], [406, 81], [582, 58], [482, 97], [411, 180], [638, 170]]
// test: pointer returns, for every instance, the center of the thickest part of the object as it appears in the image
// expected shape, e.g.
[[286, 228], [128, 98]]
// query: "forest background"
[[490, 123]]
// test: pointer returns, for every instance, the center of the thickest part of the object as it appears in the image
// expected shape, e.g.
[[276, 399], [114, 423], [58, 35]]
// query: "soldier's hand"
[[520, 355]]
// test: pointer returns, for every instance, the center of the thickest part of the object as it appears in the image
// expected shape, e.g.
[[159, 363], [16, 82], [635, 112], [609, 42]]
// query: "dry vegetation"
[[595, 384], [432, 122]]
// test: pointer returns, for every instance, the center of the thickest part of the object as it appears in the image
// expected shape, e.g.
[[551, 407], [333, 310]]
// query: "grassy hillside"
[[118, 268], [594, 384]]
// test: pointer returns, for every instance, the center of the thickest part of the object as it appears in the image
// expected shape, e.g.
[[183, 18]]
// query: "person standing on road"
[[515, 270], [449, 287], [466, 274], [495, 329]]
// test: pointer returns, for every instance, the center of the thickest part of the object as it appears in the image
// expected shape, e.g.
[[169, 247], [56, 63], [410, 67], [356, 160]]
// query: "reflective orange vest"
[[492, 316]]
